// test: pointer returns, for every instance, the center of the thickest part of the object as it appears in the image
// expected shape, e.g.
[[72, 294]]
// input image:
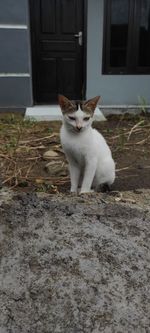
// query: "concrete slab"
[[53, 112], [69, 263]]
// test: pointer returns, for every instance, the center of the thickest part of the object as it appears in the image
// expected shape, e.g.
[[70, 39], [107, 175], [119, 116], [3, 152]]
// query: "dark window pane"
[[144, 34], [118, 58], [119, 32], [127, 36]]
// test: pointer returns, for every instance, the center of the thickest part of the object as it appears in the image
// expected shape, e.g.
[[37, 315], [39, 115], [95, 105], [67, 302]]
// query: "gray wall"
[[114, 89], [15, 60], [15, 54]]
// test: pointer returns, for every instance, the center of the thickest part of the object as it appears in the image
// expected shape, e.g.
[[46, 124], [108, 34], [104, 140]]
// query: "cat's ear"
[[64, 103], [92, 103]]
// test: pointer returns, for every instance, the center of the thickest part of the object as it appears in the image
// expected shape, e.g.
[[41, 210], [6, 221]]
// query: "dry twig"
[[39, 139], [134, 127]]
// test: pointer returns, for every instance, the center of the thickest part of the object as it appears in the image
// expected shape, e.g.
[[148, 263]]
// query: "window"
[[126, 37]]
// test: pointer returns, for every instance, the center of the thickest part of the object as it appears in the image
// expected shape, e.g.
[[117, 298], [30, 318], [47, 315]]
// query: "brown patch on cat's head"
[[66, 105], [90, 105]]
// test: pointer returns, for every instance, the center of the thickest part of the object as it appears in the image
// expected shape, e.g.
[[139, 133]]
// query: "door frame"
[[33, 49]]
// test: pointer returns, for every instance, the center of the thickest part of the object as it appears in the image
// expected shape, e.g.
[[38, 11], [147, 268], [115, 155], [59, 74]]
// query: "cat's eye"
[[71, 118], [86, 118]]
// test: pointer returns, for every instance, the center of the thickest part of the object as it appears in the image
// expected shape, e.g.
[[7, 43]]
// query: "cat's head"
[[77, 115]]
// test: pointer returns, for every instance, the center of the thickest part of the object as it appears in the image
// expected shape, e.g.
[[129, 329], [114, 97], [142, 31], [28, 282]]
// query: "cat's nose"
[[78, 127]]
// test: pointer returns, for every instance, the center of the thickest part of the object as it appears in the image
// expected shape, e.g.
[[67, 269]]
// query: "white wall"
[[114, 89]]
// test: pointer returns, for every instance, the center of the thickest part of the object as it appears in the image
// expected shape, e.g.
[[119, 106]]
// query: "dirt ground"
[[73, 264], [24, 167]]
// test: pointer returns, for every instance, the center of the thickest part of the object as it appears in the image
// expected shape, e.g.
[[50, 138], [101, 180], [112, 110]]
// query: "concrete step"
[[53, 112]]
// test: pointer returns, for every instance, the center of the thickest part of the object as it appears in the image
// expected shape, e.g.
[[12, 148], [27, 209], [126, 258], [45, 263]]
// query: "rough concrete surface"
[[73, 265]]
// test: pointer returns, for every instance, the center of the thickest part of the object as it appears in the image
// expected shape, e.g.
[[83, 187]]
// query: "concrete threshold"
[[53, 112]]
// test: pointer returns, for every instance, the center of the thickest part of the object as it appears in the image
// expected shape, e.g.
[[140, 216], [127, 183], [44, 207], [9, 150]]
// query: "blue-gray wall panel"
[[13, 11], [14, 51], [15, 92], [114, 89]]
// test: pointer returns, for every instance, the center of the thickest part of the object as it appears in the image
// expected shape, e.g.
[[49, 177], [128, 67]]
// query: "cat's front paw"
[[73, 191], [86, 191]]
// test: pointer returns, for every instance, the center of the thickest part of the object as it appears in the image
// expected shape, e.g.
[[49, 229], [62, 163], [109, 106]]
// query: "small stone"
[[56, 168], [49, 154], [39, 181]]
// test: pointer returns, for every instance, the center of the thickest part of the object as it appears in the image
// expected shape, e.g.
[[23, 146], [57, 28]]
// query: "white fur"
[[89, 157]]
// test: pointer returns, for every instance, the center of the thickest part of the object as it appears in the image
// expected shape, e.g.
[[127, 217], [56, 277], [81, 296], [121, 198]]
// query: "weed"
[[142, 104]]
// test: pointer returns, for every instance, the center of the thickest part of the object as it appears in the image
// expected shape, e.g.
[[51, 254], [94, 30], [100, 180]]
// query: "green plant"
[[142, 104]]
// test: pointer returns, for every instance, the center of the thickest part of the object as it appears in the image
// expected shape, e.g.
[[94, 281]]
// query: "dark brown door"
[[57, 46]]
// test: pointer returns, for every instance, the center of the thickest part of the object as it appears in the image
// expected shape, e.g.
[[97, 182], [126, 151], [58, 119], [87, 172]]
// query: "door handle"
[[79, 36]]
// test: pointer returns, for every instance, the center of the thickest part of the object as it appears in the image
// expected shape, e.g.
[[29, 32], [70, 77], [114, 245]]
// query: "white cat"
[[89, 157]]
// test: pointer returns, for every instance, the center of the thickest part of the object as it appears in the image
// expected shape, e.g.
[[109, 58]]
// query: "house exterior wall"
[[15, 60], [15, 54], [114, 89]]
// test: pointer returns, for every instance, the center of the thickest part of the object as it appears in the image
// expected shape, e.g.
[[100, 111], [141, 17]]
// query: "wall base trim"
[[122, 109]]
